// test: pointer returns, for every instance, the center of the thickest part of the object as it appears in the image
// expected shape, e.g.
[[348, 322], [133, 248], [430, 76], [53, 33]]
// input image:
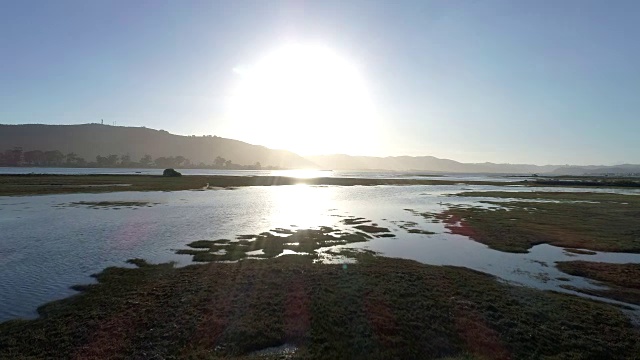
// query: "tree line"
[[55, 158]]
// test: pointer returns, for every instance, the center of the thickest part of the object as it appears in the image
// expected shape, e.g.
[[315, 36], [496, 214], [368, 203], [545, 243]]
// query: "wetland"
[[405, 269]]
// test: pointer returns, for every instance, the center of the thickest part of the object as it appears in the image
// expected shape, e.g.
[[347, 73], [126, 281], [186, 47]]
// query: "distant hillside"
[[625, 169], [422, 163], [91, 140]]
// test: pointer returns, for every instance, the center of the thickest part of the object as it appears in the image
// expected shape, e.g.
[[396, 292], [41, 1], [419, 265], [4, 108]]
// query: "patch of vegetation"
[[593, 221], [111, 204], [372, 229], [610, 198], [356, 254], [599, 182], [207, 244], [34, 184], [623, 280], [282, 231], [385, 235], [299, 240], [138, 262], [420, 231], [355, 221], [378, 308], [410, 227]]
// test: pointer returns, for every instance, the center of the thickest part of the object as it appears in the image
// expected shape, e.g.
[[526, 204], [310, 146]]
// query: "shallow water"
[[48, 244]]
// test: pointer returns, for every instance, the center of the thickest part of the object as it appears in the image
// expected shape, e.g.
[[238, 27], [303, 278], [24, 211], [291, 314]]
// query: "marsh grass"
[[299, 240], [110, 204], [592, 221], [411, 227], [379, 308], [35, 184], [355, 221], [623, 280], [372, 229]]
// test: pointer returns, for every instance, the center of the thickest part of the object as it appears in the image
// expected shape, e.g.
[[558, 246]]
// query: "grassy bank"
[[623, 280], [594, 221], [34, 184], [379, 308], [62, 184]]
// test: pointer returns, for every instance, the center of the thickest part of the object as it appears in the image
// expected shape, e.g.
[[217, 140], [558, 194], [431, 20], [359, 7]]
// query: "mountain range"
[[91, 140]]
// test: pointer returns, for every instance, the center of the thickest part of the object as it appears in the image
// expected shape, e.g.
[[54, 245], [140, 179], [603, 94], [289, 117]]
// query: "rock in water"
[[170, 172]]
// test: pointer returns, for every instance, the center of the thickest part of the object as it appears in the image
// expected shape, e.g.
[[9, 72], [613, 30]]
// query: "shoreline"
[[37, 184]]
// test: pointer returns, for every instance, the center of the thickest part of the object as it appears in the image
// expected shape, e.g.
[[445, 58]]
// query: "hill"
[[422, 163], [624, 169], [91, 140]]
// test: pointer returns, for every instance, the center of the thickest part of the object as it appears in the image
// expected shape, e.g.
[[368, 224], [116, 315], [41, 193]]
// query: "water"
[[46, 245]]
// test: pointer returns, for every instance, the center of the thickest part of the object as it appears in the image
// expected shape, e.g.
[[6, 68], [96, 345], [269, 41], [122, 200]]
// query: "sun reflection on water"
[[303, 173], [303, 206]]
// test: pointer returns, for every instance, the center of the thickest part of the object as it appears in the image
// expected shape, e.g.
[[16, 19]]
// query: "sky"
[[541, 82]]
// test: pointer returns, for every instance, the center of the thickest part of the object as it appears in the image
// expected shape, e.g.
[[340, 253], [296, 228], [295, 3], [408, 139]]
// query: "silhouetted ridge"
[[90, 140]]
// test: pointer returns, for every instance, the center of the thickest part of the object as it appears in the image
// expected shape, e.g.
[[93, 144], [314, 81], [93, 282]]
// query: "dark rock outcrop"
[[170, 172]]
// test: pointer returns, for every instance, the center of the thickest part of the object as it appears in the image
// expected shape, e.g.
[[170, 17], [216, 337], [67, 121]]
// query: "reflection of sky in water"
[[45, 248]]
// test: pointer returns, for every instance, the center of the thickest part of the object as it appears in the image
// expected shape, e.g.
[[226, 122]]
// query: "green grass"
[[623, 280], [379, 308], [593, 221]]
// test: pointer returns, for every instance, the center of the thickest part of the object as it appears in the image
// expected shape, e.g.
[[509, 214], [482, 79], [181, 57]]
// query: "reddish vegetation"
[[297, 311], [110, 337], [382, 321], [457, 225], [479, 337]]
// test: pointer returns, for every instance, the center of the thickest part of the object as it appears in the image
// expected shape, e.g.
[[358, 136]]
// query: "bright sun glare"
[[303, 98]]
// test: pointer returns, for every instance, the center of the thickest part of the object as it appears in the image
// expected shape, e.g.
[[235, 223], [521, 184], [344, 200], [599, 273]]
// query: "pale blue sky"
[[504, 81]]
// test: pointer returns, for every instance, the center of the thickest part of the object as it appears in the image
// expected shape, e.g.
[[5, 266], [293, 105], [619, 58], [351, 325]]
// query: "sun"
[[305, 98]]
